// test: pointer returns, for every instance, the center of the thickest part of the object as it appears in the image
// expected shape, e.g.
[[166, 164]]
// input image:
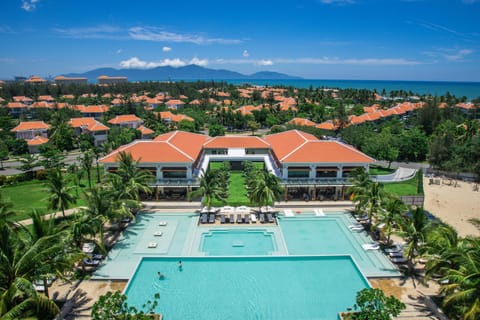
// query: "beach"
[[454, 202]]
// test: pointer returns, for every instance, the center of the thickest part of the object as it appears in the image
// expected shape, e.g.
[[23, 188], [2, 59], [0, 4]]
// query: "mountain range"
[[190, 72]]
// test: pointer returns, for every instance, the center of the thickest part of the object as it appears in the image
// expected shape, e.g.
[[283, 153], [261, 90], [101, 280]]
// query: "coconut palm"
[[209, 189], [86, 162], [60, 197], [265, 189], [390, 214], [361, 183], [371, 199]]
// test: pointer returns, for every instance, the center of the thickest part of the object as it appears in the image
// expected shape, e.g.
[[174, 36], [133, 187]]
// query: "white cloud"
[[136, 63], [458, 55], [264, 62], [158, 34], [166, 49], [245, 53], [29, 5], [339, 2], [449, 54], [96, 32]]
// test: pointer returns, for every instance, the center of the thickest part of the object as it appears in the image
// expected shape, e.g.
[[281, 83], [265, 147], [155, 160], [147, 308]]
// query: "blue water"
[[237, 242], [471, 90], [248, 288]]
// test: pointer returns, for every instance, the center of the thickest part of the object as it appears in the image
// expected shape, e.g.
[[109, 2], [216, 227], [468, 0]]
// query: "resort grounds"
[[452, 201]]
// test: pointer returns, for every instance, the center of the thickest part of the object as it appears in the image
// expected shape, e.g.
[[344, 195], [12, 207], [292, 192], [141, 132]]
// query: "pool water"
[[248, 287], [237, 242]]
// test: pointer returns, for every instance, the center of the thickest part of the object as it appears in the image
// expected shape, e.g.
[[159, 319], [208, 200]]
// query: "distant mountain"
[[190, 72]]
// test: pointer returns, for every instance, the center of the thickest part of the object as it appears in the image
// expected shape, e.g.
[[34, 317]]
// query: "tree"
[[372, 304], [215, 130], [114, 306], [59, 191], [3, 153], [209, 189], [29, 162], [265, 188], [253, 125], [52, 157], [390, 214], [86, 162]]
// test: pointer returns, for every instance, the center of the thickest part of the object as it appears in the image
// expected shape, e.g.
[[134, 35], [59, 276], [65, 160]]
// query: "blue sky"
[[435, 40]]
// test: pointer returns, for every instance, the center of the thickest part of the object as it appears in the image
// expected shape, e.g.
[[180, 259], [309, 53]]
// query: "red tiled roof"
[[174, 102], [16, 105], [150, 152], [302, 122], [174, 117], [285, 142], [30, 125], [90, 123], [326, 152], [327, 125], [45, 98], [22, 99], [125, 119], [236, 142], [144, 130], [36, 141], [190, 143]]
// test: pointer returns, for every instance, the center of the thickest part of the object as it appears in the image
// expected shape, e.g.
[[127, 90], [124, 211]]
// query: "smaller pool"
[[237, 242]]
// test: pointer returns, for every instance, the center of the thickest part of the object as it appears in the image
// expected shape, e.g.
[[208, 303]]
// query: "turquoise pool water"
[[248, 287], [237, 242], [330, 235]]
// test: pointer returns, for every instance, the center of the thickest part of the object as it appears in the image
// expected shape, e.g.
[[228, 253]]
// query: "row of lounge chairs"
[[247, 218]]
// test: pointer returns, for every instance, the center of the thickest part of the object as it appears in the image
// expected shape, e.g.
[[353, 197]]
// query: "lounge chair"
[[90, 262], [162, 223], [239, 218], [152, 245], [262, 217], [211, 218], [319, 212], [396, 255], [288, 213], [399, 260], [395, 248], [222, 218], [204, 218], [371, 246], [253, 217], [158, 233], [270, 218], [246, 218], [356, 228], [232, 218]]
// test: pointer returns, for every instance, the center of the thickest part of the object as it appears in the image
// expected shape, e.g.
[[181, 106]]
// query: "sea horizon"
[[468, 89]]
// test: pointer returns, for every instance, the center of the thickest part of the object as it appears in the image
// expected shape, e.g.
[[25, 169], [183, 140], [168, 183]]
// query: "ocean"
[[471, 90]]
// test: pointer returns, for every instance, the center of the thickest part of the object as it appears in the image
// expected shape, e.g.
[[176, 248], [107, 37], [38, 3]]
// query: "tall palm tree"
[[209, 189], [371, 199], [390, 214], [86, 162], [414, 228], [361, 183], [266, 189], [60, 197]]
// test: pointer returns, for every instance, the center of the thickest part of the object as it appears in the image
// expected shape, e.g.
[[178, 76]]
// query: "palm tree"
[[29, 162], [265, 189], [86, 162], [371, 199], [209, 189], [60, 198], [360, 185], [390, 214], [413, 228]]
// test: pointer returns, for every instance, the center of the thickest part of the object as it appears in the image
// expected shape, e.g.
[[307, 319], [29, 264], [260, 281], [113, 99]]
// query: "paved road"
[[411, 165]]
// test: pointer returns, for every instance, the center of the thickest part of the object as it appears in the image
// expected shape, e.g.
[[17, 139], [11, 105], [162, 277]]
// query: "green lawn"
[[31, 195], [237, 193], [405, 188], [376, 171]]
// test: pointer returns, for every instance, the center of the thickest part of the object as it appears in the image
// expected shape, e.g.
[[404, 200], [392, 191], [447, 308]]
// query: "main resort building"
[[309, 168]]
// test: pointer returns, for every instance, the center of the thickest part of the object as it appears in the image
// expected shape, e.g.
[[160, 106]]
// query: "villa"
[[308, 167]]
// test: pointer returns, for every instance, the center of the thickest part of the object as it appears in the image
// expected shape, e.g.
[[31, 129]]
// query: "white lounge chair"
[[353, 227], [162, 223], [253, 217], [319, 212], [152, 245], [288, 213], [371, 246], [158, 233]]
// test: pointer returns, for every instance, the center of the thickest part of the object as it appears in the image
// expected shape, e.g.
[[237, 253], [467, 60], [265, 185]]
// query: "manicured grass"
[[376, 171], [405, 188], [32, 195], [237, 193]]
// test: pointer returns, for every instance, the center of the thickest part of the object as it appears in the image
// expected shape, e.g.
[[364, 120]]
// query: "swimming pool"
[[310, 235], [237, 242], [272, 287]]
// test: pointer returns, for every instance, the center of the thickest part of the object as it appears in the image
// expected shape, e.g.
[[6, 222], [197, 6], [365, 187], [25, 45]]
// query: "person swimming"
[[180, 265], [160, 275]]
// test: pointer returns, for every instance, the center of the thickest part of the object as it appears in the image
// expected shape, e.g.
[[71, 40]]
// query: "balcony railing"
[[316, 181]]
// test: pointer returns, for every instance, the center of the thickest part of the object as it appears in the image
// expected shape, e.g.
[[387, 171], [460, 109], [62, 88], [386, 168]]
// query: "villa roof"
[[89, 123], [30, 125], [302, 122], [125, 118], [14, 105], [145, 130], [236, 142], [285, 142], [150, 152], [174, 102], [326, 152], [190, 143], [36, 141]]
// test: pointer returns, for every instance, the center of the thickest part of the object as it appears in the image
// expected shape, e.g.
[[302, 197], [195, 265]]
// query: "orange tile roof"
[[144, 130], [326, 152], [41, 104], [94, 109], [174, 102], [30, 125], [236, 142], [372, 108], [89, 123], [247, 110], [302, 122], [190, 143], [68, 96], [285, 142], [36, 141], [16, 105], [150, 152], [46, 98], [467, 106], [174, 117], [36, 79], [195, 102], [327, 125], [22, 99], [125, 118]]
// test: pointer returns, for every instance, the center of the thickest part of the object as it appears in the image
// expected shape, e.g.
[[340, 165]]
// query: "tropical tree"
[[361, 183], [113, 305], [209, 189], [86, 162], [413, 228], [371, 199], [59, 191], [390, 214], [265, 189], [29, 162], [372, 304]]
